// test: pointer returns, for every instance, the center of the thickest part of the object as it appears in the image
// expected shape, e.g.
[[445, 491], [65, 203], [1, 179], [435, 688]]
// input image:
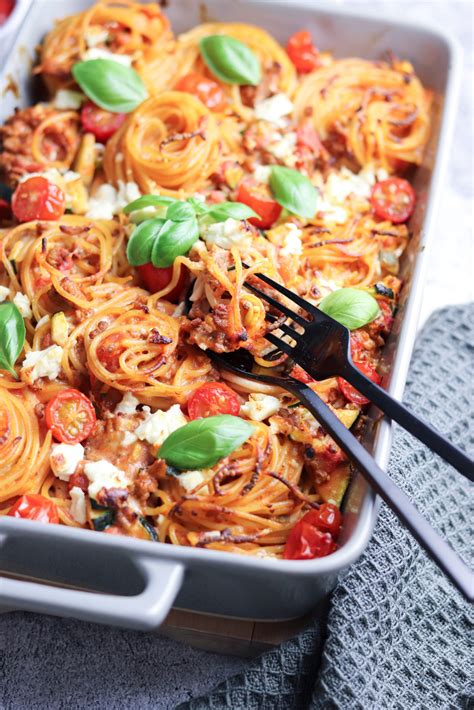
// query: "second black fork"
[[322, 347]]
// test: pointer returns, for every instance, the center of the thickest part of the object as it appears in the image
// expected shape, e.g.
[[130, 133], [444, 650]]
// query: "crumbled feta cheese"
[[284, 149], [155, 428], [108, 201], [260, 407], [4, 293], [71, 176], [190, 480], [292, 245], [97, 53], [78, 505], [44, 363], [64, 459], [262, 173], [333, 213], [274, 109], [96, 35], [128, 404], [103, 474], [68, 99], [227, 234], [22, 302], [128, 438]]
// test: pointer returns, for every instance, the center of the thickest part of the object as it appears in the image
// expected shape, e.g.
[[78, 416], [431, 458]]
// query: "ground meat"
[[16, 139]]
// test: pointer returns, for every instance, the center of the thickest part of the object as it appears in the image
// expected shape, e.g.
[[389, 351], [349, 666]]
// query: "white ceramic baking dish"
[[134, 583]]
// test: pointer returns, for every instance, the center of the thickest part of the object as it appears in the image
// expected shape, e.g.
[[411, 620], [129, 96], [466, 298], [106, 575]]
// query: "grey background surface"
[[54, 663]]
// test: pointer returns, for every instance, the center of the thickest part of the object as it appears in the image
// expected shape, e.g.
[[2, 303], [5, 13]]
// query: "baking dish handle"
[[144, 611]]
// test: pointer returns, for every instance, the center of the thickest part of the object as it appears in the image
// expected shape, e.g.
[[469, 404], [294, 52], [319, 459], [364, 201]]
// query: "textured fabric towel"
[[396, 635]]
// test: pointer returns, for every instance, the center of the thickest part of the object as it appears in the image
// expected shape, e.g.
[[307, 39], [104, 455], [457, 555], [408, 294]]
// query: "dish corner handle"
[[144, 611]]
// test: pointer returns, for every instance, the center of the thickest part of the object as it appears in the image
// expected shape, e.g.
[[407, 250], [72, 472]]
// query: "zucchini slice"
[[101, 518]]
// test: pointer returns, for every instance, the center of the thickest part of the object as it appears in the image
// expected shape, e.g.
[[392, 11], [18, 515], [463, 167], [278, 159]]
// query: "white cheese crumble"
[[284, 149], [68, 99], [4, 293], [190, 480], [64, 459], [158, 426], [96, 35], [44, 363], [262, 173], [227, 234], [292, 245], [274, 109], [109, 201], [128, 438], [260, 407], [22, 302], [103, 474], [78, 505], [127, 405], [97, 53]]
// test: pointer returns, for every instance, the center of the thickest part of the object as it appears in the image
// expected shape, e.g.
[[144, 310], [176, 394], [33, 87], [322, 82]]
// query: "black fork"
[[322, 348], [241, 362]]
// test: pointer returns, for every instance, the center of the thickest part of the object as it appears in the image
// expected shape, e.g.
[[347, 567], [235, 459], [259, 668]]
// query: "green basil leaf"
[[350, 307], [141, 242], [180, 212], [198, 206], [174, 239], [230, 60], [12, 335], [293, 191], [233, 210], [111, 85], [204, 442], [148, 201]]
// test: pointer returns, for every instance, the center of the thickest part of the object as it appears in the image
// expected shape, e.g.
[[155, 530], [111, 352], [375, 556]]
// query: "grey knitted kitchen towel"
[[396, 635]]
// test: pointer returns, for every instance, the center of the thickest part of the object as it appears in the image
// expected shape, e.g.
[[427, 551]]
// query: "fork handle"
[[437, 548], [409, 421]]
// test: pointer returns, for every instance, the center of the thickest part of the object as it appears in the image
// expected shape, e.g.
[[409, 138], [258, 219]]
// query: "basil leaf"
[[12, 335], [203, 442], [198, 206], [230, 60], [234, 210], [180, 212], [148, 201], [294, 191], [174, 239], [141, 242], [112, 86], [350, 307]]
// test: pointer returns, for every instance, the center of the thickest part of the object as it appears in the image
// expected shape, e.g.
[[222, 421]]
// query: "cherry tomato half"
[[350, 392], [305, 542], [259, 199], [38, 198], [393, 199], [6, 6], [302, 52], [70, 416], [156, 279], [207, 90], [327, 518], [212, 398], [35, 507], [101, 123]]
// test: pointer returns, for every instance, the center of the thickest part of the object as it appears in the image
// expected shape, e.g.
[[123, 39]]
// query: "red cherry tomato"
[[302, 52], [156, 279], [207, 90], [101, 123], [299, 374], [35, 507], [70, 416], [393, 199], [305, 542], [327, 518], [384, 321], [350, 392], [212, 398], [6, 6], [259, 199], [38, 198]]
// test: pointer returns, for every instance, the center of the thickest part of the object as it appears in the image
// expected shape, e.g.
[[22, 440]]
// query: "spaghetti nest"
[[380, 112], [24, 444], [170, 144], [123, 27], [239, 506], [74, 263]]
